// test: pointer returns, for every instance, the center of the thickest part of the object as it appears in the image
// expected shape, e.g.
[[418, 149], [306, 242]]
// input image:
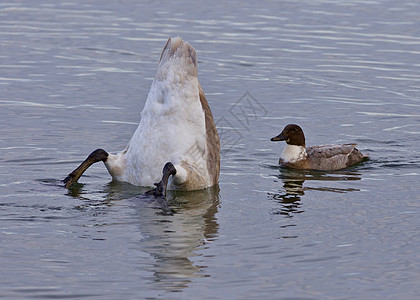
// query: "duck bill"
[[277, 138]]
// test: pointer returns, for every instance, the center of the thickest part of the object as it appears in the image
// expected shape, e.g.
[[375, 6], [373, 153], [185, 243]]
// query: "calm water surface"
[[74, 77]]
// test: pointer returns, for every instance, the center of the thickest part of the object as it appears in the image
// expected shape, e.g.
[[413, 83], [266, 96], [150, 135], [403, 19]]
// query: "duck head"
[[292, 134]]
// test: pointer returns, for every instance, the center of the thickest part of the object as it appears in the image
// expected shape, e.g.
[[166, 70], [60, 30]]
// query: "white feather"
[[293, 153], [172, 128]]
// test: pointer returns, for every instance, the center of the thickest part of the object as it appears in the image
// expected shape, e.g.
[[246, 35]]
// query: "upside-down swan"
[[176, 132]]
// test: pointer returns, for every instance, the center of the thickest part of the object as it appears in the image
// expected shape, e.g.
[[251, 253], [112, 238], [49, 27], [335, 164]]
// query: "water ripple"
[[75, 75]]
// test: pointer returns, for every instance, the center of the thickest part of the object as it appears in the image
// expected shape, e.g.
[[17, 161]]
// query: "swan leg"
[[160, 189], [94, 157]]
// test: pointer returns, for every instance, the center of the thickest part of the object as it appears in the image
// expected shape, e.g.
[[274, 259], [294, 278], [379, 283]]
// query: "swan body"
[[325, 157], [176, 126]]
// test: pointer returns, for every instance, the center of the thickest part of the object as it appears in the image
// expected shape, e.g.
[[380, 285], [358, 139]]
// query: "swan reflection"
[[172, 232], [174, 238]]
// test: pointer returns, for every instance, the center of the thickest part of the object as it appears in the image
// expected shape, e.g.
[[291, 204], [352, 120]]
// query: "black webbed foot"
[[94, 157], [160, 189]]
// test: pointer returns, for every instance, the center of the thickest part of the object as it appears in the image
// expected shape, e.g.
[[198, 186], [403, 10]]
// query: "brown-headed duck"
[[324, 158]]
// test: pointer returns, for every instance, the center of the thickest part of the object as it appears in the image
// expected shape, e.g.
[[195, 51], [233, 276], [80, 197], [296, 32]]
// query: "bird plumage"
[[323, 157], [176, 126]]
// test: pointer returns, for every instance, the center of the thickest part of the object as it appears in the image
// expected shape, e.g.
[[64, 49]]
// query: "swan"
[[176, 142], [324, 158]]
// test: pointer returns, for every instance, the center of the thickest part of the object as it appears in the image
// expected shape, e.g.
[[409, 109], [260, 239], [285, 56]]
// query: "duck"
[[176, 145], [322, 158]]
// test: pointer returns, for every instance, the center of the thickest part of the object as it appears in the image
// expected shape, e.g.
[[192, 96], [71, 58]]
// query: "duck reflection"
[[173, 237], [293, 190], [289, 198]]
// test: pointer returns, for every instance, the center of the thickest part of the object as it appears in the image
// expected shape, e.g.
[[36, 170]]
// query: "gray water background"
[[74, 77]]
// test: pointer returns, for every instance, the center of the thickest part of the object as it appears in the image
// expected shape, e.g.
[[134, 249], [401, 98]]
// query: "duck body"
[[176, 126], [324, 158]]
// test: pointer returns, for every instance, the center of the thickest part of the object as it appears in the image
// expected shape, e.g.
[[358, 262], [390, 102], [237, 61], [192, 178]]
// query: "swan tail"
[[177, 48]]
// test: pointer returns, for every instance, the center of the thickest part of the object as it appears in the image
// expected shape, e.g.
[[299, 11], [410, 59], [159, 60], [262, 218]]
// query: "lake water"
[[74, 77]]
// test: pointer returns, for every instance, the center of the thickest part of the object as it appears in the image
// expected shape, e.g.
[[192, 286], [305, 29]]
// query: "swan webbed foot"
[[69, 179], [94, 157], [160, 189]]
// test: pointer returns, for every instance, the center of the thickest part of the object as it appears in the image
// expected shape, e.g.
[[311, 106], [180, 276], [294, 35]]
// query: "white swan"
[[176, 133]]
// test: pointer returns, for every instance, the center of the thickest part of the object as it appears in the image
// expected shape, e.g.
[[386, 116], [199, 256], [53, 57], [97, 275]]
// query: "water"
[[74, 77]]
